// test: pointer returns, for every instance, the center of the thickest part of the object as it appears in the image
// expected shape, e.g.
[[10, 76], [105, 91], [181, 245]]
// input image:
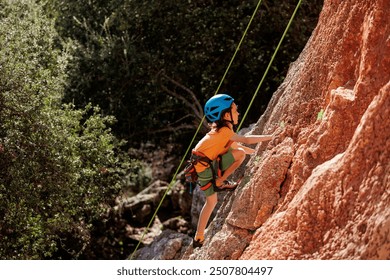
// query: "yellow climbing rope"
[[217, 90]]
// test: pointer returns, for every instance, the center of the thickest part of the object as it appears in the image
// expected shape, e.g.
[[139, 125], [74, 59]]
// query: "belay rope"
[[242, 120]]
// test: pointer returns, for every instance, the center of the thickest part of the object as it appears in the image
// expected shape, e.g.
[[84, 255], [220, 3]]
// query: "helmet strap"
[[231, 119]]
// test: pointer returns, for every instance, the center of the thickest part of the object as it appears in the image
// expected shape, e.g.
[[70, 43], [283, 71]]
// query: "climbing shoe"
[[197, 243], [226, 186]]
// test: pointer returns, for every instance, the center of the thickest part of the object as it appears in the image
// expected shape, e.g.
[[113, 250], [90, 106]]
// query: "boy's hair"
[[221, 122]]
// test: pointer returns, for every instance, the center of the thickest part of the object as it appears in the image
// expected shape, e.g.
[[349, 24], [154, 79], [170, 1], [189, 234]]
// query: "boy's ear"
[[226, 116]]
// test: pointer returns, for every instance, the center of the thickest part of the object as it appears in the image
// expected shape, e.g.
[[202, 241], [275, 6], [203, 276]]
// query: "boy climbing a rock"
[[219, 154]]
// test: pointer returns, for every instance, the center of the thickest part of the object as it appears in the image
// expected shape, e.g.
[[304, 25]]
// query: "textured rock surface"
[[167, 246], [321, 189]]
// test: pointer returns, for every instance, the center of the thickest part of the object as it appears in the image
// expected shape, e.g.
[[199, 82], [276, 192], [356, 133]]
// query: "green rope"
[[196, 133], [269, 64], [238, 46]]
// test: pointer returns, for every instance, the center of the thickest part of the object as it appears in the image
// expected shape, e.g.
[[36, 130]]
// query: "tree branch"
[[170, 128], [190, 100]]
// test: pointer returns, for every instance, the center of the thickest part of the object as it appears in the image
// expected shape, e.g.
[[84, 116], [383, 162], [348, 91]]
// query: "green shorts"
[[206, 176]]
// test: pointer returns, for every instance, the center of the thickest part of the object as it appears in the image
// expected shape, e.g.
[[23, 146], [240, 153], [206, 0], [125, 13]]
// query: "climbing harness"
[[217, 90], [190, 173], [191, 176]]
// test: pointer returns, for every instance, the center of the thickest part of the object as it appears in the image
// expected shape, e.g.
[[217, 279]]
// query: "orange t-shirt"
[[213, 144]]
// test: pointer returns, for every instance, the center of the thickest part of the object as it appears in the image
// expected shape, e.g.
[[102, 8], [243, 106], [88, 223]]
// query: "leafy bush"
[[60, 167]]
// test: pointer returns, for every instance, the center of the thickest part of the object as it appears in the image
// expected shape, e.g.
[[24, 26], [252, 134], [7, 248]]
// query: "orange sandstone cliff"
[[320, 189]]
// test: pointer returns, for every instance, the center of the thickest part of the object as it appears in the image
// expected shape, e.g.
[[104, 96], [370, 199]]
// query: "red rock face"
[[321, 190]]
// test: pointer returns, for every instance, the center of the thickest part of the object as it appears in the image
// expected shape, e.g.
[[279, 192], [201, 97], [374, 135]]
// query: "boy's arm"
[[247, 150], [251, 139]]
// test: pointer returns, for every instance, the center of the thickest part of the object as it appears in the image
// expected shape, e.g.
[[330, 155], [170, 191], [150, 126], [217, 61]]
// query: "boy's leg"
[[211, 197], [239, 156], [208, 207]]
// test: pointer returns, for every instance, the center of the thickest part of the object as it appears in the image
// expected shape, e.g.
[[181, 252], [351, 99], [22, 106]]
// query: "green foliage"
[[60, 167], [320, 115], [123, 47]]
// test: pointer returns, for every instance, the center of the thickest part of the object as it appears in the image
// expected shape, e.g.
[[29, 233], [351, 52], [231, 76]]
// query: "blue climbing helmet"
[[215, 106]]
